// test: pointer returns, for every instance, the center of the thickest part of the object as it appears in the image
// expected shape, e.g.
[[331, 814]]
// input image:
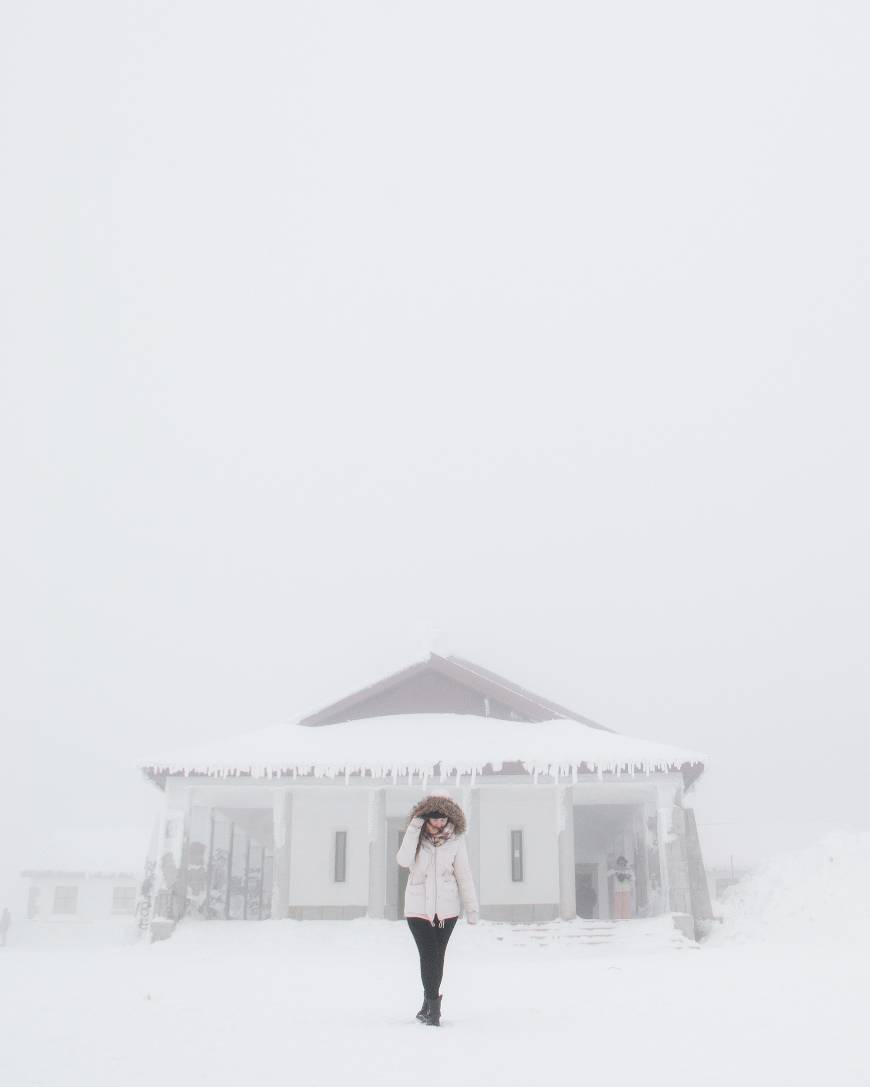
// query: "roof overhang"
[[428, 746]]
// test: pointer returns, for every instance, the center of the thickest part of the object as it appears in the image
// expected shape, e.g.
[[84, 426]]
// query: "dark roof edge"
[[523, 692], [314, 719], [691, 771], [458, 668]]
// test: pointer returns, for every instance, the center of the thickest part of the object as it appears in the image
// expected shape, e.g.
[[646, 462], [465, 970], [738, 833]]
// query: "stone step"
[[637, 933]]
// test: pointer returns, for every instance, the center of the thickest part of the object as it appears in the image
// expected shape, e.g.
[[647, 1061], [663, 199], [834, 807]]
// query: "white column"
[[663, 833], [167, 896], [471, 807], [565, 832], [181, 895], [156, 876], [282, 810], [378, 853]]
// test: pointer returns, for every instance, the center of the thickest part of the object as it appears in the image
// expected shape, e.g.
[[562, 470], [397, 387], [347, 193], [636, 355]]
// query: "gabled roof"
[[554, 710], [443, 715], [523, 704]]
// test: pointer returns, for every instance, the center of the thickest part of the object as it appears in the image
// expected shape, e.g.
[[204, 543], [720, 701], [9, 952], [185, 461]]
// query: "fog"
[[335, 333]]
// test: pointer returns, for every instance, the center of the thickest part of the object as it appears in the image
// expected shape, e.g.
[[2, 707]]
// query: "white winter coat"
[[439, 877]]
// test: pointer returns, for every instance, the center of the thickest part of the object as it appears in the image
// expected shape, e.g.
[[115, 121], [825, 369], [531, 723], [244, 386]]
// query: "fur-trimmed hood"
[[443, 804]]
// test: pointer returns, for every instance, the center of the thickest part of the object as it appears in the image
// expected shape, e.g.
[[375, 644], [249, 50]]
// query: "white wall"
[[320, 808], [316, 816], [95, 895], [531, 809]]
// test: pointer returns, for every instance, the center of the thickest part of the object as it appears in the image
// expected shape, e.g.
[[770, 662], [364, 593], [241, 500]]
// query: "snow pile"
[[819, 894], [412, 745]]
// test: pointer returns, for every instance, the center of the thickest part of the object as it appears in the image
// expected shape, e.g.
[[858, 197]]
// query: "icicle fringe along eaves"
[[427, 747], [556, 771]]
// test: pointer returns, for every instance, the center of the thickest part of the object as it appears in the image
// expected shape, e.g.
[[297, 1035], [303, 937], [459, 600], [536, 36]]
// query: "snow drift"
[[819, 894]]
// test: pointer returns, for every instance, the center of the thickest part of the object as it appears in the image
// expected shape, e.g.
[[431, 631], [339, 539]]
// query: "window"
[[123, 899], [516, 856], [340, 874], [66, 899]]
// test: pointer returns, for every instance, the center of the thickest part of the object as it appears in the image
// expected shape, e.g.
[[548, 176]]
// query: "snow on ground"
[[274, 1003], [818, 894]]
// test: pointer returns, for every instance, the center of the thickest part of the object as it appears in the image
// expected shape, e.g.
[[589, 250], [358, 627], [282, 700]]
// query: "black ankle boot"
[[423, 1013], [433, 1016]]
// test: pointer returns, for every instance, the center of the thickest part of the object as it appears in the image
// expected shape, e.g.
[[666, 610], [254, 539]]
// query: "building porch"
[[248, 849]]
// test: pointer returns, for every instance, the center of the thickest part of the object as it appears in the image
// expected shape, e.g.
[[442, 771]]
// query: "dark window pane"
[[516, 855], [340, 855]]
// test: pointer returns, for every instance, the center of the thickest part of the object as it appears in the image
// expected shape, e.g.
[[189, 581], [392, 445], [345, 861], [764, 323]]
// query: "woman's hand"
[[408, 848], [473, 917]]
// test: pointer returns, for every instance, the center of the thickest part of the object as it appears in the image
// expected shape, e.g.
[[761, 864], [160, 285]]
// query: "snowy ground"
[[778, 996], [289, 1002]]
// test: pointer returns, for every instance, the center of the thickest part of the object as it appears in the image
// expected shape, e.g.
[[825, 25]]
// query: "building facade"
[[303, 821], [77, 896]]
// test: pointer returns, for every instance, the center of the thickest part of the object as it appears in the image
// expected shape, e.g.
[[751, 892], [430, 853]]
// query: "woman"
[[439, 876], [623, 878]]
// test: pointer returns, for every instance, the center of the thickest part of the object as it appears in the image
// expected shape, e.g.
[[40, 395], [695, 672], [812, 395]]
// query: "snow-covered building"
[[85, 881], [76, 895], [303, 820]]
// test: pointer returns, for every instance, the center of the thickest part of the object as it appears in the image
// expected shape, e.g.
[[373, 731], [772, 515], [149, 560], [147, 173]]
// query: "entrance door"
[[586, 890]]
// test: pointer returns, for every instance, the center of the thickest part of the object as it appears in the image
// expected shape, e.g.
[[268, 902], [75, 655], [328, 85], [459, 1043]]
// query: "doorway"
[[586, 890], [397, 877]]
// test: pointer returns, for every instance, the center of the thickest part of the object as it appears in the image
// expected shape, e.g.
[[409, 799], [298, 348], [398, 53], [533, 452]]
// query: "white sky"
[[326, 325]]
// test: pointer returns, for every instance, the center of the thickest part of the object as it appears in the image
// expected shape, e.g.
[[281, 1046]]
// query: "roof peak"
[[484, 692]]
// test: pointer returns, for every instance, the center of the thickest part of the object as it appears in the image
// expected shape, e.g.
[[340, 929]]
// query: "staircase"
[[635, 936]]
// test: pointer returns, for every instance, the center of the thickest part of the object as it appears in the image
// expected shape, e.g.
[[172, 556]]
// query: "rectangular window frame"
[[123, 900], [517, 855]]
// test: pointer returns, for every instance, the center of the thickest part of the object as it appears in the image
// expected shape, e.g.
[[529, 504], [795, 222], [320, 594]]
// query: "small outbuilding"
[[303, 820], [76, 895]]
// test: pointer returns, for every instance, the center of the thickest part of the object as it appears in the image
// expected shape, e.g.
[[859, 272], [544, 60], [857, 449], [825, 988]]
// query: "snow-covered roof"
[[403, 744]]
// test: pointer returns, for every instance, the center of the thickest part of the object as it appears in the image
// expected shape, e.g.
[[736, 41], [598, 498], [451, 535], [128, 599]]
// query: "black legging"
[[431, 943]]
